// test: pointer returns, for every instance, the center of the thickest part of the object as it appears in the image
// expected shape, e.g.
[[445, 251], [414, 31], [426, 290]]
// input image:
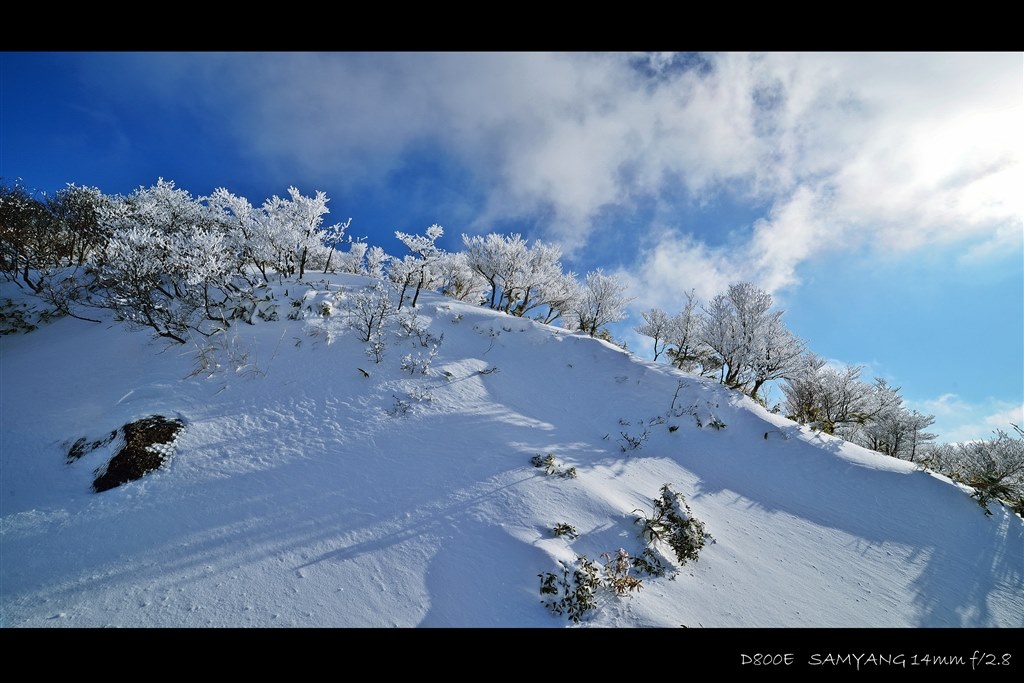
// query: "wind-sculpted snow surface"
[[313, 486]]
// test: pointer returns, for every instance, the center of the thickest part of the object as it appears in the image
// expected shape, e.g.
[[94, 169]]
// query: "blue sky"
[[877, 196]]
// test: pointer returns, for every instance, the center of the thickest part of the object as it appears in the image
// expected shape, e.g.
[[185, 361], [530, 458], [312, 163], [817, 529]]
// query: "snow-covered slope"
[[303, 493]]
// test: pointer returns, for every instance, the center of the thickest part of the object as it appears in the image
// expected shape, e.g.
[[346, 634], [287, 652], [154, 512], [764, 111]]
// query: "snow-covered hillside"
[[302, 492]]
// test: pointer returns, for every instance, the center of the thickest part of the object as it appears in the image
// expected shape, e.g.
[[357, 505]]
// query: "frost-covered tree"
[[881, 402], [836, 401], [247, 230], [896, 431], [332, 236], [45, 241], [165, 264], [993, 467], [776, 354], [718, 331], [425, 254], [885, 425], [915, 425], [825, 397], [683, 339], [75, 212], [748, 340], [457, 280], [602, 301], [376, 259], [285, 236], [560, 294], [521, 278], [41, 235], [532, 278], [732, 325], [678, 337], [137, 287], [25, 224], [496, 258], [159, 257], [174, 263], [655, 326], [295, 230], [369, 310], [401, 273], [352, 260]]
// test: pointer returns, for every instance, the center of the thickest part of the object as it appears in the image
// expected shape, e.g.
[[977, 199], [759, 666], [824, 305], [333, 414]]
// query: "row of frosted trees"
[[178, 264], [741, 340]]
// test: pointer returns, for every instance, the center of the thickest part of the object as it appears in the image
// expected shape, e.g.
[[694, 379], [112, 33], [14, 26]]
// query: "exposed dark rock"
[[147, 444], [82, 446]]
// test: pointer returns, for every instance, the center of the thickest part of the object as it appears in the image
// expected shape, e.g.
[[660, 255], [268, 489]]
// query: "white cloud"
[[1003, 419], [957, 419], [675, 263], [894, 151], [946, 405], [794, 230]]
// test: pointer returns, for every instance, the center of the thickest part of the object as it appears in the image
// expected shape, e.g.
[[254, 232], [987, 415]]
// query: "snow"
[[301, 493]]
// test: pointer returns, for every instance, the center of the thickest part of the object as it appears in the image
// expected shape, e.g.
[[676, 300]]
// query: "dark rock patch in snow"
[[148, 442], [83, 446]]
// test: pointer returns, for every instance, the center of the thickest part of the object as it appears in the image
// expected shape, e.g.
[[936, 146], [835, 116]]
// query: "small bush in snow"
[[648, 562], [547, 462], [672, 523], [574, 594], [412, 326], [399, 408], [564, 529], [695, 410], [369, 311], [267, 313], [375, 350], [420, 395], [616, 572], [419, 363], [490, 332], [631, 442], [548, 584], [17, 317], [224, 353]]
